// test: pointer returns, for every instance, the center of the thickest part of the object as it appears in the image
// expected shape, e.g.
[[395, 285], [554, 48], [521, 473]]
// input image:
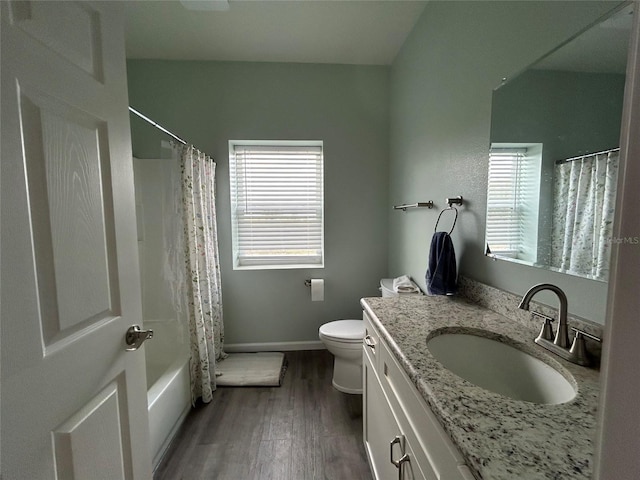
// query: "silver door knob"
[[136, 337]]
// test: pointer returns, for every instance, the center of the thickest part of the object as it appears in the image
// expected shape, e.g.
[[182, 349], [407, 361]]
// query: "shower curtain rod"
[[580, 157], [158, 126]]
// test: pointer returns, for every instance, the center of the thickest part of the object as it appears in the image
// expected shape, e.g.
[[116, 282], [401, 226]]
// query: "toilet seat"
[[347, 331]]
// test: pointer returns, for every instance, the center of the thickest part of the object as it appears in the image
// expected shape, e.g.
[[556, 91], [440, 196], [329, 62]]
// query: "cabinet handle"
[[370, 342], [401, 460], [400, 441]]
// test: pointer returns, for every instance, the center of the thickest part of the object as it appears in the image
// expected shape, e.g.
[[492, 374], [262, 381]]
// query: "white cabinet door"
[[73, 401], [380, 426], [380, 429]]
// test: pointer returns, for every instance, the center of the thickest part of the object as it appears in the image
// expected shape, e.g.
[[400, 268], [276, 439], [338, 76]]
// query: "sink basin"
[[500, 368]]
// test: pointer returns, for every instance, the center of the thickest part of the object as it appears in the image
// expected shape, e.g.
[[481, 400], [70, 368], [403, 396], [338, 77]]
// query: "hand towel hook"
[[435, 229], [454, 200], [450, 201]]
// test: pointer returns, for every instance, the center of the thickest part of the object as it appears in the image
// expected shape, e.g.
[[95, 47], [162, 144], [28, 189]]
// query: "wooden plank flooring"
[[303, 430]]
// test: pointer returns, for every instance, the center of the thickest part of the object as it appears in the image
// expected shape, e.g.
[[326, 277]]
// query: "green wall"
[[441, 88], [571, 113], [415, 132], [210, 103]]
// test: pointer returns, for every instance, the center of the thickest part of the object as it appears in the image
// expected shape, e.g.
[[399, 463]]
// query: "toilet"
[[343, 338]]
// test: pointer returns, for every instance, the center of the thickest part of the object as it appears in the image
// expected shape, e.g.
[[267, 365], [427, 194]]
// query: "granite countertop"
[[499, 437]]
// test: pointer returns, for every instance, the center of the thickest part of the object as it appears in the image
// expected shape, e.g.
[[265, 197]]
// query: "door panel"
[[73, 401], [89, 444], [71, 29], [69, 194]]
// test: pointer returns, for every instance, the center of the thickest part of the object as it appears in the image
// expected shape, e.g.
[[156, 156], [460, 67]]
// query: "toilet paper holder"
[[316, 286]]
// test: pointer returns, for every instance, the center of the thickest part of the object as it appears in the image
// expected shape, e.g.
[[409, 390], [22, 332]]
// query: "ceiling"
[[359, 32]]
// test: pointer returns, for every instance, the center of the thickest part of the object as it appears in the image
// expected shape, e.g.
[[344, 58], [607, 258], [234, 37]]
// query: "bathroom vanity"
[[402, 437], [421, 421]]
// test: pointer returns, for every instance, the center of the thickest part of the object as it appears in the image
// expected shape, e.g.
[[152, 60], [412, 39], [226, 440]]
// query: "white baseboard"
[[273, 346]]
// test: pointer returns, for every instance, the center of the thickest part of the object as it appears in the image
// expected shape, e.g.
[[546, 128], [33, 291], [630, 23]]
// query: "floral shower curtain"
[[585, 195], [202, 293]]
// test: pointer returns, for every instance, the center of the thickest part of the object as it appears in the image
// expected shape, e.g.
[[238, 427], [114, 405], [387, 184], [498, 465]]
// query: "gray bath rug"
[[262, 369]]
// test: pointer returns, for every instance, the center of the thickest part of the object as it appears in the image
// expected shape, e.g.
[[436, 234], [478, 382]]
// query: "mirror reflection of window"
[[513, 197]]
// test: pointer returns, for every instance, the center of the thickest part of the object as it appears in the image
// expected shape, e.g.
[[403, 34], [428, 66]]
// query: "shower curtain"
[[585, 195], [195, 268]]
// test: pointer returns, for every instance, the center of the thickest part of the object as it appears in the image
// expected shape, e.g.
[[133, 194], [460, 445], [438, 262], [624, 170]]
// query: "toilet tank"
[[386, 288]]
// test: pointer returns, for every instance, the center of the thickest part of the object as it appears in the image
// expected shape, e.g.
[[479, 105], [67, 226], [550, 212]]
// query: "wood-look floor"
[[302, 430]]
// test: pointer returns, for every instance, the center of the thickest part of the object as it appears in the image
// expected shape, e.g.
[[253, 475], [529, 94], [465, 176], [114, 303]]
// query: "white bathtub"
[[168, 391]]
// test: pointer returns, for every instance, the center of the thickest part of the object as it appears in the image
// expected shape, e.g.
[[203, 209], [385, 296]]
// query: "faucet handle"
[[542, 316], [585, 334], [546, 332], [578, 351]]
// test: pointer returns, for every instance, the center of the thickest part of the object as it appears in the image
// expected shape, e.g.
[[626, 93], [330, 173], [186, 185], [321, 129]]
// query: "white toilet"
[[343, 338]]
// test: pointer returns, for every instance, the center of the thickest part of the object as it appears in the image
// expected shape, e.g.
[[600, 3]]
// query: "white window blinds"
[[277, 204], [512, 201], [503, 231]]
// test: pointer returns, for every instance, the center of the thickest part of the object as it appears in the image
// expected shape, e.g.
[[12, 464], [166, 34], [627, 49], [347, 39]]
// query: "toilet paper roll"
[[317, 289]]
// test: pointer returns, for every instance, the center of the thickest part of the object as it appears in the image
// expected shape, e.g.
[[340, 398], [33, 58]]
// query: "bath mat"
[[262, 369]]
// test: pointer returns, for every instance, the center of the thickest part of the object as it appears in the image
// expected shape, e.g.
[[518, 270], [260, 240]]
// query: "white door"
[[618, 442], [73, 401]]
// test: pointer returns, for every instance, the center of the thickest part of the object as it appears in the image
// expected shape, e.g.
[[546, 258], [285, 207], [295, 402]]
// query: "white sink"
[[500, 368]]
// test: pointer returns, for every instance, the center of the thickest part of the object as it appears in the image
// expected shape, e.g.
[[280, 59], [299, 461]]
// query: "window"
[[277, 204], [512, 201]]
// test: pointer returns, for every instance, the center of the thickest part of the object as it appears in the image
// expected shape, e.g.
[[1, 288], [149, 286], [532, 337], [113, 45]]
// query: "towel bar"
[[404, 207]]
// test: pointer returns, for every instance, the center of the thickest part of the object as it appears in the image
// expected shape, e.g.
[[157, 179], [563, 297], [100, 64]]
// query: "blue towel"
[[441, 275]]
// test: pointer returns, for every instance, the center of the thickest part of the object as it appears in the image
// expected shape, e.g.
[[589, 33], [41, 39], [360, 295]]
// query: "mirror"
[[555, 132]]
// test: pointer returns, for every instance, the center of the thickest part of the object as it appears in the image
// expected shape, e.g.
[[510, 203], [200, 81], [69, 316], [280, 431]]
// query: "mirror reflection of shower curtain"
[[192, 264], [584, 203]]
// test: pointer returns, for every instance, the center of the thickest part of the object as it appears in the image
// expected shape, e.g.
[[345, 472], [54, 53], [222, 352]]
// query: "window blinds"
[[277, 205], [503, 218]]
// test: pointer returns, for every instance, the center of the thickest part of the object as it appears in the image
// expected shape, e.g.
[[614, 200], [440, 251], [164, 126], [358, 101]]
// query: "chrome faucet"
[[560, 344], [562, 335]]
